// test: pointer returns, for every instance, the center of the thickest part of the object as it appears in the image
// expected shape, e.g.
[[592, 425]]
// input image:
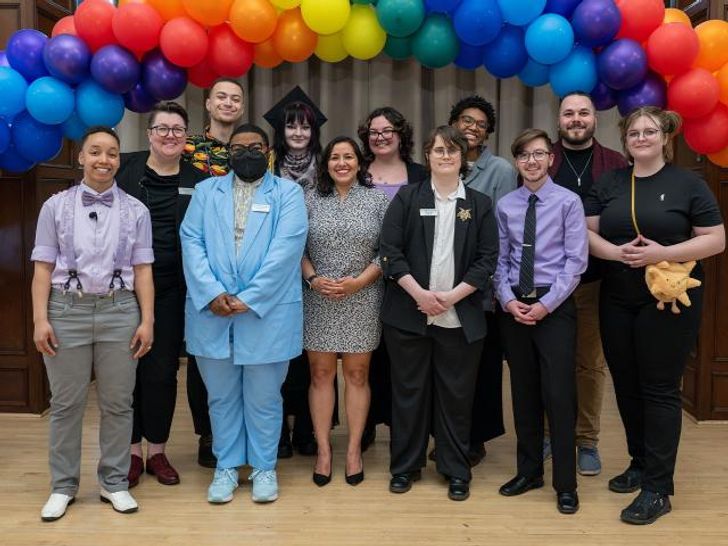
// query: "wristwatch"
[[309, 280]]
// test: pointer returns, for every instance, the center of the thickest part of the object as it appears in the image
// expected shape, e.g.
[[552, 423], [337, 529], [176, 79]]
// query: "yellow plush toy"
[[669, 281]]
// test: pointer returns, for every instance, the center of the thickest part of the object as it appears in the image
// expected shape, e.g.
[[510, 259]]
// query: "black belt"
[[536, 294]]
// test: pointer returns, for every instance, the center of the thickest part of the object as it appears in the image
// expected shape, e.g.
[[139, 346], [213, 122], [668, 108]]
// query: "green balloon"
[[398, 49], [400, 17], [435, 44], [364, 2]]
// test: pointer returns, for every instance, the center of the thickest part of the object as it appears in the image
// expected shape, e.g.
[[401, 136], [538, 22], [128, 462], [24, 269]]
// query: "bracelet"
[[309, 280]]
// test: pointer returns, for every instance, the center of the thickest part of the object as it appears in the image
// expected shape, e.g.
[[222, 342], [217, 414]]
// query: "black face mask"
[[248, 165]]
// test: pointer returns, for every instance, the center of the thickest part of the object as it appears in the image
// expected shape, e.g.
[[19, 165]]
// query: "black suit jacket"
[[416, 173], [406, 245]]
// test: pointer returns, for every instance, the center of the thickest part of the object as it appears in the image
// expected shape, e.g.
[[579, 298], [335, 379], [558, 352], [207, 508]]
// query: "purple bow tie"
[[88, 199]]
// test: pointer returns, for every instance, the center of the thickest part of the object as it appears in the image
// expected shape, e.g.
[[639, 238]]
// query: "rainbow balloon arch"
[[107, 58]]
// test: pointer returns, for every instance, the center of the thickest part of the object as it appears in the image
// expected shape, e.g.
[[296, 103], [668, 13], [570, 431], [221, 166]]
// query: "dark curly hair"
[[474, 101], [399, 124], [325, 184], [296, 112]]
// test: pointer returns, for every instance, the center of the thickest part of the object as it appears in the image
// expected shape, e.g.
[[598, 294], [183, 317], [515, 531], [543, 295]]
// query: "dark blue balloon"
[[477, 22], [441, 6], [578, 72], [622, 64], [603, 96], [138, 100], [470, 57], [34, 140], [162, 79], [506, 56], [67, 57], [12, 162], [562, 7], [650, 92], [534, 74], [596, 22], [115, 68], [73, 127], [5, 136], [25, 53]]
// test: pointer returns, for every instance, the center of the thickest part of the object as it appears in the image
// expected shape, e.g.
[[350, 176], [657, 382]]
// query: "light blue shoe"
[[223, 484], [265, 485], [588, 462], [546, 448]]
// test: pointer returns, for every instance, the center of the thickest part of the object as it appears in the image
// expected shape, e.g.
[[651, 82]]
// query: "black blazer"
[[406, 244], [416, 173]]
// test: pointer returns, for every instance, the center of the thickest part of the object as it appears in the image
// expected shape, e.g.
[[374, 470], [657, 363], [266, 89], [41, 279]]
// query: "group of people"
[[267, 263]]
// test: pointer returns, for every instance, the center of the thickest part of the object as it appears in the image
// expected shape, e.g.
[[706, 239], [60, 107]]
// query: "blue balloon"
[[138, 100], [477, 22], [25, 53], [49, 100], [12, 90], [596, 22], [470, 57], [73, 127], [650, 92], [534, 74], [622, 64], [561, 7], [441, 6], [549, 39], [12, 162], [162, 79], [5, 137], [115, 68], [96, 106], [603, 97], [506, 56], [36, 141], [521, 12], [67, 57], [578, 72]]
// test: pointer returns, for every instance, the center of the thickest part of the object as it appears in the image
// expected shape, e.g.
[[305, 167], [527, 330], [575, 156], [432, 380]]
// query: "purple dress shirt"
[[95, 240], [562, 243]]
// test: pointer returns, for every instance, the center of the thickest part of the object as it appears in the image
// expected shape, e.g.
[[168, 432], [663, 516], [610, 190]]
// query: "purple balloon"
[[596, 22], [162, 79], [25, 53], [622, 64], [651, 92], [562, 7], [4, 60], [603, 97], [115, 69], [67, 57], [138, 100]]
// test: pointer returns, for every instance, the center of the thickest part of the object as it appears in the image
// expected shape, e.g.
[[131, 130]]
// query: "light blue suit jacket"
[[265, 274]]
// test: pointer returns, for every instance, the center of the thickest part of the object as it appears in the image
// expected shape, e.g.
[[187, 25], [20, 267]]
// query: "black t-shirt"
[[668, 205], [160, 195], [576, 176]]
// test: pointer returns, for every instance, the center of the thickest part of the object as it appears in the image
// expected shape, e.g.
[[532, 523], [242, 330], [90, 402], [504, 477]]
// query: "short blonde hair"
[[668, 121]]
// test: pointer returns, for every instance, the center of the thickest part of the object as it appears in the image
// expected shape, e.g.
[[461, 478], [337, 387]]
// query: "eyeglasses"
[[254, 147], [441, 151], [468, 121], [163, 130], [538, 155], [386, 134], [647, 134]]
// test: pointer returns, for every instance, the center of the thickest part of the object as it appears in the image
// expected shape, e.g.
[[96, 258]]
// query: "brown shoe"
[[159, 466], [135, 470]]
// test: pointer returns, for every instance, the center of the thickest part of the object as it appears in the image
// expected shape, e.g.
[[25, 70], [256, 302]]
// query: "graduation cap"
[[275, 114]]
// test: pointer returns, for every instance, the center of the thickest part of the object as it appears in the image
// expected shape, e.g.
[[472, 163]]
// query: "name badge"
[[186, 191], [260, 207], [428, 212]]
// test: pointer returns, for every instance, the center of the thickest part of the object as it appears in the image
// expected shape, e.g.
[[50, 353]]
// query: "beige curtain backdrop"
[[347, 91]]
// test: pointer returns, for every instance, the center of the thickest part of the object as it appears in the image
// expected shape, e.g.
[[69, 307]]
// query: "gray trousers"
[[93, 333]]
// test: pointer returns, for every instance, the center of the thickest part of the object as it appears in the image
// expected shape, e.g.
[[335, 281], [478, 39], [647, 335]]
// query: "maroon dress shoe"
[[135, 470], [159, 466]]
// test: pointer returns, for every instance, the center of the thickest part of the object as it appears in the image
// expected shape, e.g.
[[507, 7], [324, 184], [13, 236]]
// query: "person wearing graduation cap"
[[296, 123]]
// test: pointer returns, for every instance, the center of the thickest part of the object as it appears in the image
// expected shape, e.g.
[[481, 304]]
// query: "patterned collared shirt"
[[207, 154], [243, 201]]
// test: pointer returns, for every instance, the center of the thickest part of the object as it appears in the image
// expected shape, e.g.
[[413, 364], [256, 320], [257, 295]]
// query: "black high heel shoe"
[[323, 479], [355, 479]]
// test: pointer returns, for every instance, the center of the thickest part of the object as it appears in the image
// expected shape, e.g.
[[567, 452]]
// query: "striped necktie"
[[525, 275]]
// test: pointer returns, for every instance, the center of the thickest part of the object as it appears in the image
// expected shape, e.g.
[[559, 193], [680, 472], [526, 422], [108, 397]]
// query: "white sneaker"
[[56, 506], [121, 501]]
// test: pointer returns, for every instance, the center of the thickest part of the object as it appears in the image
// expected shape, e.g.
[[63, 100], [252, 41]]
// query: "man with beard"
[[242, 241], [579, 161]]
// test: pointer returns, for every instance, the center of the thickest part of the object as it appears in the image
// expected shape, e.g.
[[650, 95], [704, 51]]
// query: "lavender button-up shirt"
[[562, 244], [95, 240]]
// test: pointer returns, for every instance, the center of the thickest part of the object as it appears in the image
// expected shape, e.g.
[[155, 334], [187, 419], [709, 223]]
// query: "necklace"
[[571, 166]]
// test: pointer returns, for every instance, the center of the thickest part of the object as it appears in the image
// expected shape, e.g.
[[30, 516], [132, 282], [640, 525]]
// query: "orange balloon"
[[713, 36], [293, 40], [125, 2], [266, 55], [720, 158], [674, 15], [253, 20], [208, 12], [722, 77], [168, 9]]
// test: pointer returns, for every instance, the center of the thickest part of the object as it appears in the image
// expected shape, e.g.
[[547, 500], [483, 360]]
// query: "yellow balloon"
[[286, 4], [363, 37], [330, 49], [325, 16]]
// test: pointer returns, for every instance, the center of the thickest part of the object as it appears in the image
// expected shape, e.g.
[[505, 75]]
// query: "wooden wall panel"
[[13, 338]]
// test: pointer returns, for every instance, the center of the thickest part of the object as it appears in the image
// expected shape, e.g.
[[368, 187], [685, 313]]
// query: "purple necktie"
[[88, 199]]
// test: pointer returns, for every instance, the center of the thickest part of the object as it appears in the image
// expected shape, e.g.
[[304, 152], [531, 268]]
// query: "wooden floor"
[[368, 514]]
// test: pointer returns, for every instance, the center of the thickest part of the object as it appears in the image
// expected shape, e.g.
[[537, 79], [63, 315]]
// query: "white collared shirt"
[[442, 269]]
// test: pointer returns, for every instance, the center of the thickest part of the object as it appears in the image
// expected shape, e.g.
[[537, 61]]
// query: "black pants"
[[295, 400], [380, 383], [646, 350], [487, 418], [433, 381], [197, 398], [543, 379]]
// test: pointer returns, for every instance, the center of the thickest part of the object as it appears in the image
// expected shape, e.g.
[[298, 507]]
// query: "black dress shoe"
[[519, 485], [646, 508], [627, 482], [368, 437], [205, 457], [476, 455], [567, 503], [401, 483], [285, 448], [323, 479], [355, 479], [459, 489]]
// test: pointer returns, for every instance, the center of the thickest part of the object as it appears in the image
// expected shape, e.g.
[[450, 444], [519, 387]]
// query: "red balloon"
[[183, 41], [64, 25], [93, 21], [708, 134], [227, 54], [639, 18], [202, 75], [672, 49], [137, 27], [693, 94]]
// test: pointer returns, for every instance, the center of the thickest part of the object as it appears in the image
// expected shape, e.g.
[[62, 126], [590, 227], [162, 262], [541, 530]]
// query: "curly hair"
[[325, 184], [474, 101], [399, 124]]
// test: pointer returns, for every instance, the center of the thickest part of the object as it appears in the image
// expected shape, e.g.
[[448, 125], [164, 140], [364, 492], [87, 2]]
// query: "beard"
[[577, 141]]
